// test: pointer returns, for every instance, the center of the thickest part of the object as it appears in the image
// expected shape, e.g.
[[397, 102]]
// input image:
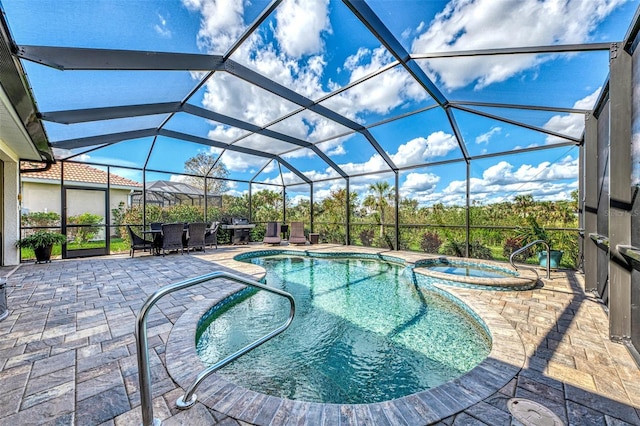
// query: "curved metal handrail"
[[144, 373], [521, 249]]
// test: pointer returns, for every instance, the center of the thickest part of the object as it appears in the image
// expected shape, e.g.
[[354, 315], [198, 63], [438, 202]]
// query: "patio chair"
[[155, 226], [272, 234], [195, 238], [296, 235], [137, 242], [172, 237], [211, 236]]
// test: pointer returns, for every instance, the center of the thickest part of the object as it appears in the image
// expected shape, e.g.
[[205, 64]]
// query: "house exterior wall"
[[10, 212], [38, 196]]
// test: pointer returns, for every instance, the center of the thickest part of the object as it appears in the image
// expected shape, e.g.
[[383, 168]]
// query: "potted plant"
[[535, 232], [41, 242]]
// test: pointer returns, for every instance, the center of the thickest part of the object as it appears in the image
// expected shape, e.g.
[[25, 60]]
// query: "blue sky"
[[315, 47]]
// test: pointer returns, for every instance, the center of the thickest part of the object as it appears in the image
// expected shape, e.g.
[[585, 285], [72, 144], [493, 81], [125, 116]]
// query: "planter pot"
[[43, 254], [555, 257]]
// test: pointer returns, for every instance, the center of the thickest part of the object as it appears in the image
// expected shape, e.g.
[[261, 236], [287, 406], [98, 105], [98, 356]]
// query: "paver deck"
[[67, 352]]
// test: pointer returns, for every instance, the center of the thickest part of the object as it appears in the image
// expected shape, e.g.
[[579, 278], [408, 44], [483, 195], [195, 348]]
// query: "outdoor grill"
[[240, 234]]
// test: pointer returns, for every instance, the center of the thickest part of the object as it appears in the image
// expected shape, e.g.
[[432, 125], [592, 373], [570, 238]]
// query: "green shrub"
[[431, 242], [117, 216], [453, 248], [40, 219], [513, 244], [83, 234], [479, 251], [458, 249], [41, 238], [366, 237]]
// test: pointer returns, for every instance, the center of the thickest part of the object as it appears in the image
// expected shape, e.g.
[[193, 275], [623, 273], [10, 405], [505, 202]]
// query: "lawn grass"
[[118, 245]]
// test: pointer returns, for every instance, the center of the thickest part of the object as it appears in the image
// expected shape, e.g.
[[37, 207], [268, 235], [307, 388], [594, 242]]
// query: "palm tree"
[[379, 200], [523, 204]]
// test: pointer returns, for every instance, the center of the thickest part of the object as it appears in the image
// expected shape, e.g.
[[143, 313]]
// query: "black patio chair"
[[211, 237], [195, 238], [172, 237], [137, 242]]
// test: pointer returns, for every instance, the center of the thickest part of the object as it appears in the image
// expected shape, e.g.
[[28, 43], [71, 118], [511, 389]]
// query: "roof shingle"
[[76, 172]]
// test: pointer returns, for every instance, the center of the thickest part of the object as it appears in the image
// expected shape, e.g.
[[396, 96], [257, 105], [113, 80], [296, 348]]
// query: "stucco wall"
[[10, 216], [37, 196]]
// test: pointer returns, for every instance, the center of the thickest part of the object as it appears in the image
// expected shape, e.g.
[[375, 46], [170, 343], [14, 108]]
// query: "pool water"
[[470, 271], [364, 332]]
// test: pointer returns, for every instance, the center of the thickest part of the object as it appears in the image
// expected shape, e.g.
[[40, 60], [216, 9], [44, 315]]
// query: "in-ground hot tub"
[[475, 273]]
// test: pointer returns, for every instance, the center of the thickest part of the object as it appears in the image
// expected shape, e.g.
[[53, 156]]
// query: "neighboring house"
[[85, 190]]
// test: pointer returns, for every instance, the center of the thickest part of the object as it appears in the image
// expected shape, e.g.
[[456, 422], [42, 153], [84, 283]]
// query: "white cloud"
[[462, 25], [62, 153], [373, 164], [498, 183], [221, 25], [235, 193], [380, 94], [419, 150], [239, 162], [571, 124], [300, 24], [484, 138], [419, 183], [544, 181], [296, 58], [236, 98], [161, 27]]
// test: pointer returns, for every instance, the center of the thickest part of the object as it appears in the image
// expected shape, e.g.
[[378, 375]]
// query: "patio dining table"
[[156, 237]]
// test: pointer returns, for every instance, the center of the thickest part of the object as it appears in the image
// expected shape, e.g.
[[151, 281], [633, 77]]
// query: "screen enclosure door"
[[85, 222]]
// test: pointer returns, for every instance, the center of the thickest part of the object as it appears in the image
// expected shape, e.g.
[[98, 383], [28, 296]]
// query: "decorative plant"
[[366, 237], [532, 232], [458, 249], [40, 219], [536, 232], [83, 234], [431, 242], [41, 238], [513, 244], [118, 219]]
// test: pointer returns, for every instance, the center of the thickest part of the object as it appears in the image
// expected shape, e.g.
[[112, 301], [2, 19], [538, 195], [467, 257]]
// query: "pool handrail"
[[521, 249], [142, 347]]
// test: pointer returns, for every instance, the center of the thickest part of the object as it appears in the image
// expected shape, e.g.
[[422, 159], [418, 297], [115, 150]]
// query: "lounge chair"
[[211, 236], [272, 234], [137, 242], [172, 237], [195, 238], [296, 236]]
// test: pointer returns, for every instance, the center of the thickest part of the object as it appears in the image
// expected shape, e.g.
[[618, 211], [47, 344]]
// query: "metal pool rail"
[[142, 347], [513, 255]]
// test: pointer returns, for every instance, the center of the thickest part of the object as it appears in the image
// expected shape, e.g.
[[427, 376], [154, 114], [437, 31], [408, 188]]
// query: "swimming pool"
[[364, 332]]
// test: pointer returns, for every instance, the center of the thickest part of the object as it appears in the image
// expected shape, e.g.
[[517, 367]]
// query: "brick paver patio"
[[67, 349]]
